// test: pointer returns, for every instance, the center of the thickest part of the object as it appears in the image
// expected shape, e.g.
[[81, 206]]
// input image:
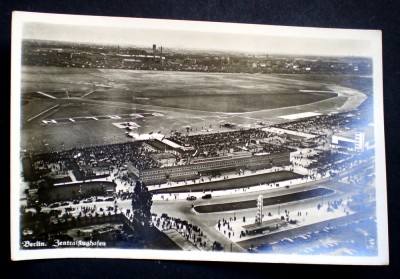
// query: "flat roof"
[[264, 225], [290, 132], [300, 115], [162, 138], [368, 131], [346, 134]]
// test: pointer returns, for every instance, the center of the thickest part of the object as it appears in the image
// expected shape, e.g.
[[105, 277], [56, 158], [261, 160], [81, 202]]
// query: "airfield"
[[64, 108]]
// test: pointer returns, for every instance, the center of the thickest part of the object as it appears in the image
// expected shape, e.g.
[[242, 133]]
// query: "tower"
[[259, 215], [359, 140]]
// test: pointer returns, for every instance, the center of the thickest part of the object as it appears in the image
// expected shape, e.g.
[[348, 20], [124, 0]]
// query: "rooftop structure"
[[353, 140], [212, 164], [265, 225], [281, 131]]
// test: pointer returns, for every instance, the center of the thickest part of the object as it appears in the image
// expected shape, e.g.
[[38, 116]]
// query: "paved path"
[[182, 209], [180, 240], [229, 246], [274, 237]]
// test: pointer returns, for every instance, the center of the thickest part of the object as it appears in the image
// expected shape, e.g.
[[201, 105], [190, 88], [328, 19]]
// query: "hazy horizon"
[[251, 42], [198, 50]]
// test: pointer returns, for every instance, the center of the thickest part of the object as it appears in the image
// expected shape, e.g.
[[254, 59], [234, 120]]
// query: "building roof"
[[351, 134], [290, 132], [347, 134], [264, 225], [302, 114]]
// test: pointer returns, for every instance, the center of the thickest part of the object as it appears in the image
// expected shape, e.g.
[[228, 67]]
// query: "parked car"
[[206, 196], [109, 199], [76, 202], [64, 203], [89, 200], [54, 205], [191, 198]]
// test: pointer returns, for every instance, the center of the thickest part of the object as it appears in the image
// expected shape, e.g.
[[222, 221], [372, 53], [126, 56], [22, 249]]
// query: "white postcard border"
[[370, 36]]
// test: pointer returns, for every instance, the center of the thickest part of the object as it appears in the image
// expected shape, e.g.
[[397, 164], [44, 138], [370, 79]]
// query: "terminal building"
[[353, 141], [209, 166], [195, 167]]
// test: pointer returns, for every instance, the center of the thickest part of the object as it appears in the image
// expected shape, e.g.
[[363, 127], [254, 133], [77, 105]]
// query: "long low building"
[[353, 141], [214, 164], [272, 224], [75, 191]]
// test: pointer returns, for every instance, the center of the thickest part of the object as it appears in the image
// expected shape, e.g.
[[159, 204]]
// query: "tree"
[[44, 189], [141, 207]]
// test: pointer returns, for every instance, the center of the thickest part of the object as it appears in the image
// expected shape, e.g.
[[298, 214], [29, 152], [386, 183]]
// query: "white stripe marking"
[[45, 94], [37, 115]]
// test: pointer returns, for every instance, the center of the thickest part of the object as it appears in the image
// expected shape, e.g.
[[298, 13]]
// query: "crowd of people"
[[116, 155], [138, 154], [191, 232], [328, 161], [211, 145], [318, 125], [205, 145]]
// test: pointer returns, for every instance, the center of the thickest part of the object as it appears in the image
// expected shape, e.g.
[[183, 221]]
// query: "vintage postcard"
[[167, 139]]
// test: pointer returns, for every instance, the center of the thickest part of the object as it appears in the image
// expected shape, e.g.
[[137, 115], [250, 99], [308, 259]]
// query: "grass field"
[[298, 196], [215, 92]]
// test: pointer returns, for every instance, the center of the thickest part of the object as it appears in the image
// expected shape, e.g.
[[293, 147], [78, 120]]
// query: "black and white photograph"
[[182, 140]]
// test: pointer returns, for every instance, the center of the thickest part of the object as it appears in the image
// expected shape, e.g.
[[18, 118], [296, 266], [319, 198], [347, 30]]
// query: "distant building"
[[353, 141]]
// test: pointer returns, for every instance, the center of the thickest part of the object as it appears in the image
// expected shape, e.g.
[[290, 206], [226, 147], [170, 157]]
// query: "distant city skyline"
[[183, 35]]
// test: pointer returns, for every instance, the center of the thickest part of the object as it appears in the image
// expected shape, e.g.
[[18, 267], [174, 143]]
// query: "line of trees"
[[141, 209]]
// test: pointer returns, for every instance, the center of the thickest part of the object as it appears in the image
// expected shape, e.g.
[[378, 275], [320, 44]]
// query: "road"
[[285, 198], [182, 209], [271, 238]]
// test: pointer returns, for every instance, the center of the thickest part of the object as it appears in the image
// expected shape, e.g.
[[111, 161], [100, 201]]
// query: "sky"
[[209, 36]]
